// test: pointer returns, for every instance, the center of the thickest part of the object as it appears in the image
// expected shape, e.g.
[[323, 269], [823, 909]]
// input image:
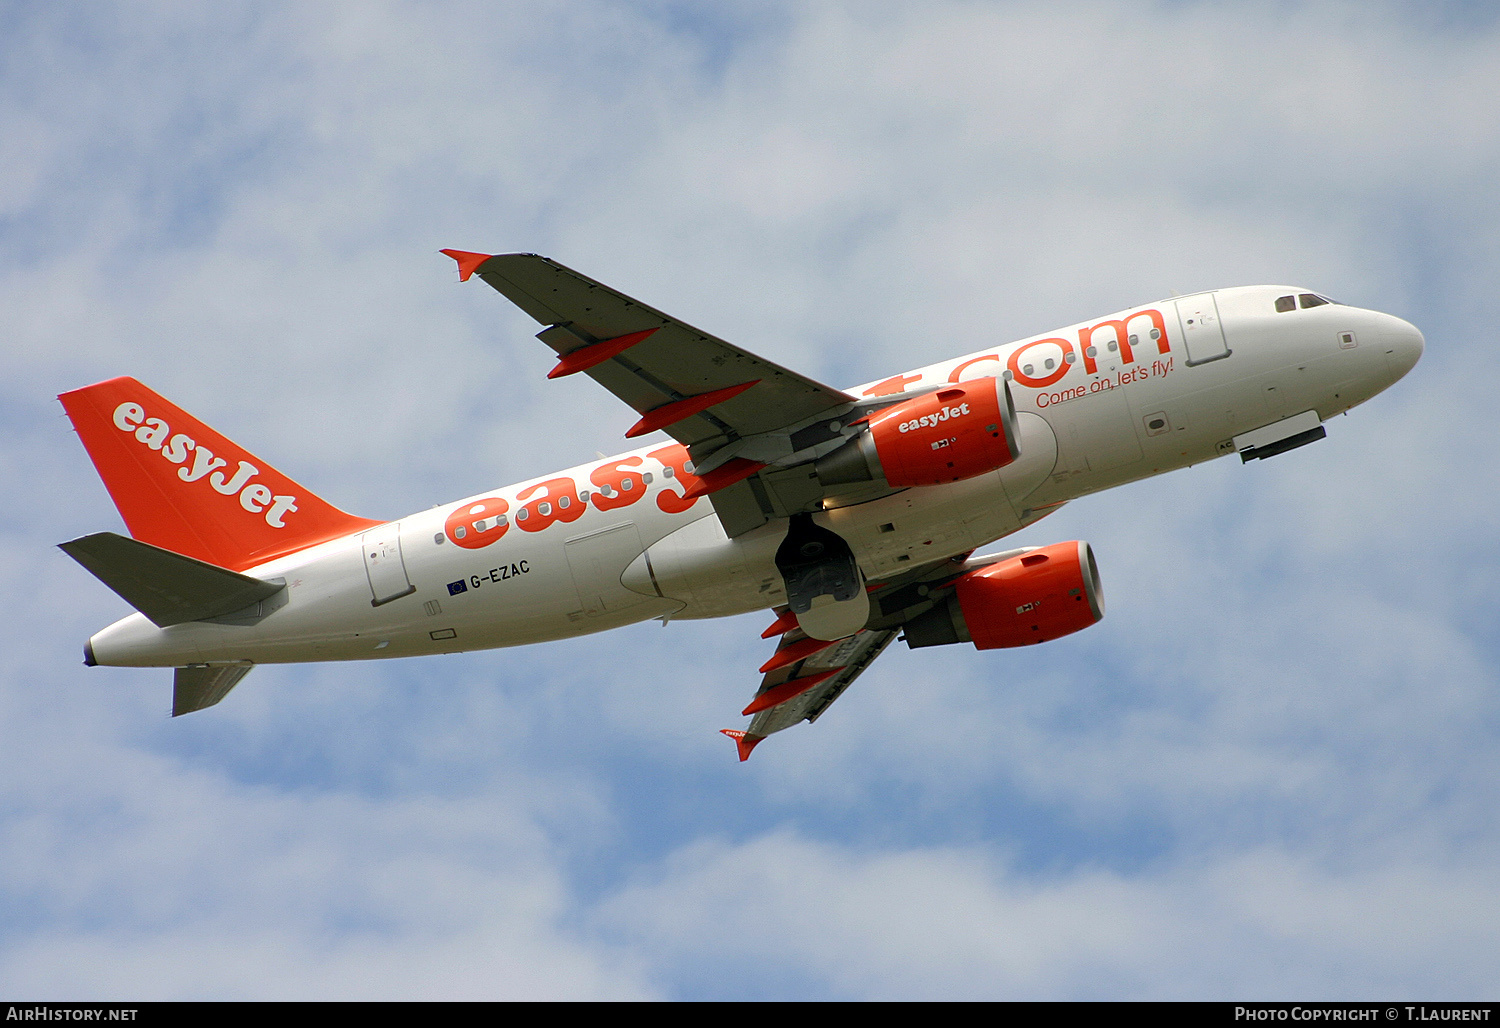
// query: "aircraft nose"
[[1403, 346]]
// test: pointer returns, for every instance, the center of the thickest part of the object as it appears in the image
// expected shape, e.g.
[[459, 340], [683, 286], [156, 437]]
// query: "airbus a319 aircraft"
[[851, 516]]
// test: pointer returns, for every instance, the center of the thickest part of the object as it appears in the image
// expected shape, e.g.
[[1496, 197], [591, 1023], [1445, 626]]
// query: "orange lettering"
[[890, 386], [676, 458], [477, 524], [1046, 380], [561, 499], [627, 486], [956, 375], [1122, 336]]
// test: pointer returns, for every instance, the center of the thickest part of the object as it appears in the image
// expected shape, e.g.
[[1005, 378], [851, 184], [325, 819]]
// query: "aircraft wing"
[[813, 683], [804, 676], [671, 363], [735, 412]]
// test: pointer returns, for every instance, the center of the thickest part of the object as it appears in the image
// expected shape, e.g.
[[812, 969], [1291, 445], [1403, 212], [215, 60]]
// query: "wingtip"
[[743, 741], [468, 263]]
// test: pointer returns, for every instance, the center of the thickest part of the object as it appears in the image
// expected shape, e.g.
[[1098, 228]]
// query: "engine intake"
[[1038, 596], [955, 433]]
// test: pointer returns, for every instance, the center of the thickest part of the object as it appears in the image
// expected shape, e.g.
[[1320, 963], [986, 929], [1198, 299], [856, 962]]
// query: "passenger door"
[[1202, 331], [384, 565]]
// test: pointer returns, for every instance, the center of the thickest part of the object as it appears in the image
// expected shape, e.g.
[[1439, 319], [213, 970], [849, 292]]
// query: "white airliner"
[[851, 516]]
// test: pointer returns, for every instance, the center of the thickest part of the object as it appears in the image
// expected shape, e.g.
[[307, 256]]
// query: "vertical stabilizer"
[[182, 486]]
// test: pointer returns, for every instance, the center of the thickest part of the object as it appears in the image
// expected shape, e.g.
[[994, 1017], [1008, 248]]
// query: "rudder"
[[182, 486]]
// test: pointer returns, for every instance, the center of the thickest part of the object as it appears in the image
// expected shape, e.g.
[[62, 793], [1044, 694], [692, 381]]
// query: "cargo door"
[[384, 566], [597, 561], [1202, 331]]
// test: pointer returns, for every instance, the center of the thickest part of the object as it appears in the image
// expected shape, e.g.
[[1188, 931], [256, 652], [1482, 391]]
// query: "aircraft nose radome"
[[1404, 346]]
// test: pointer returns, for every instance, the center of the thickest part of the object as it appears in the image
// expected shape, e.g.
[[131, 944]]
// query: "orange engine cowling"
[[1032, 598], [958, 432]]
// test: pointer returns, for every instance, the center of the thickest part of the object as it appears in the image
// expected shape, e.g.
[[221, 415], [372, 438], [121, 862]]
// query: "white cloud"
[[957, 923]]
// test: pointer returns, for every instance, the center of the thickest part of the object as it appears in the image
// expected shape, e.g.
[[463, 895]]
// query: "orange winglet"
[[743, 741], [783, 624], [786, 691], [722, 477], [677, 410], [586, 357], [468, 263], [793, 653]]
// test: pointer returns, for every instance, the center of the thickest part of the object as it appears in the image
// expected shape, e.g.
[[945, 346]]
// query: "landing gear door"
[[384, 566], [1201, 329]]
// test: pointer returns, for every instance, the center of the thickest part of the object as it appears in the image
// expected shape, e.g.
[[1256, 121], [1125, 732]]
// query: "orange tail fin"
[[182, 486]]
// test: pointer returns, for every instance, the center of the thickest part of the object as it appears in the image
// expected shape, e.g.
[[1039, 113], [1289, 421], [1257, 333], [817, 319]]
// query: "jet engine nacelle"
[[1035, 597], [958, 432]]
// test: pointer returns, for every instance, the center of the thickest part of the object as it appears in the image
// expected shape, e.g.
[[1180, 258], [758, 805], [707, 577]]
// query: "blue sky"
[[1271, 771]]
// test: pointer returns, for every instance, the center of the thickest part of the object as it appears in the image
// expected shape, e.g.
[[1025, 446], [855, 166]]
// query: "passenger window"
[[1309, 300], [1285, 303]]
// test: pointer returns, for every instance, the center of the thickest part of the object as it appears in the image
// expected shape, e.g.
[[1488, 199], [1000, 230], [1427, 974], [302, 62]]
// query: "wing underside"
[[673, 362], [846, 659], [804, 676]]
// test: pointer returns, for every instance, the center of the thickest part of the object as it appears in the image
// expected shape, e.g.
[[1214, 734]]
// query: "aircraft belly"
[[710, 574], [924, 524]]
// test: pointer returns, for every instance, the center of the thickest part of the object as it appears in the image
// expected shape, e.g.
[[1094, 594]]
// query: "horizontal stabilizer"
[[166, 587], [194, 688]]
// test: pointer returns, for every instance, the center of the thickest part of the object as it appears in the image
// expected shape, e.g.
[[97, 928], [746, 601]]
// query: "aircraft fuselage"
[[612, 542]]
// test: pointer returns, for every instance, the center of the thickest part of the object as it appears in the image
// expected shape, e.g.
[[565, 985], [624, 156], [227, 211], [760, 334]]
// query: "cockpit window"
[[1285, 303], [1311, 300]]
